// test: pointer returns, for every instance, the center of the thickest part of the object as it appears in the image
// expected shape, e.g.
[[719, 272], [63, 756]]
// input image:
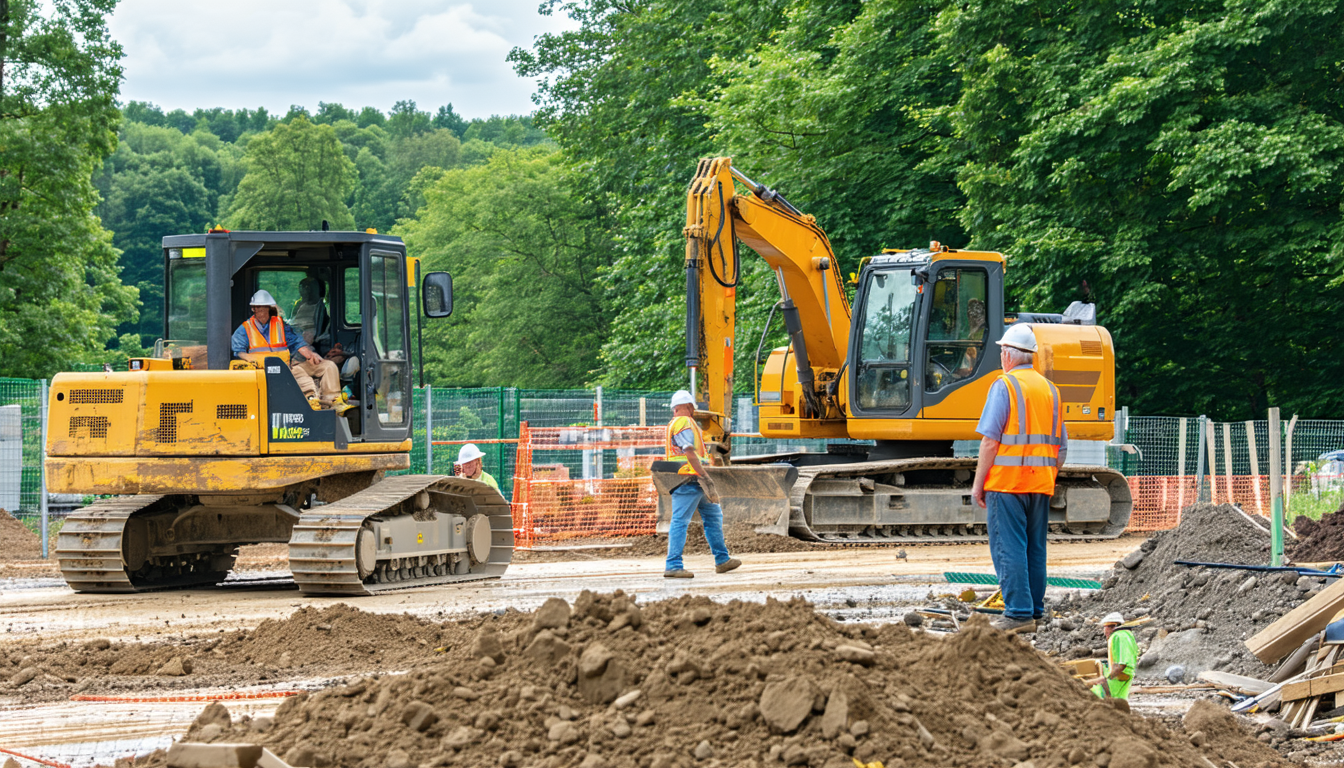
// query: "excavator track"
[[966, 527], [384, 537], [94, 545]]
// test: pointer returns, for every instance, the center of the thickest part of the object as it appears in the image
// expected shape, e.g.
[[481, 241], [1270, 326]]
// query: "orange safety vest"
[[259, 344], [1029, 446], [678, 425]]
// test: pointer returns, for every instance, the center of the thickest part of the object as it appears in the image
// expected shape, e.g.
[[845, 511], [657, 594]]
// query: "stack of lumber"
[[1322, 675]]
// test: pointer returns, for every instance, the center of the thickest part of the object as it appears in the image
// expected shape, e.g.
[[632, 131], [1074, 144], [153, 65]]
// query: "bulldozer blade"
[[756, 494]]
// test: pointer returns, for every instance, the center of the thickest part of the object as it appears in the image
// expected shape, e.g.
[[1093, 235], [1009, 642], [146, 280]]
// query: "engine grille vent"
[[1090, 347], [229, 412], [96, 396], [168, 420], [90, 426]]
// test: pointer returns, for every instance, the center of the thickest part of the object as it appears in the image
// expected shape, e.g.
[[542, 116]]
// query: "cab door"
[[385, 340]]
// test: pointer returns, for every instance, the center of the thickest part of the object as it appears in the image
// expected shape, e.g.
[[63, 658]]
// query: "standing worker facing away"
[[686, 446], [1122, 657], [264, 333], [1022, 447], [470, 466]]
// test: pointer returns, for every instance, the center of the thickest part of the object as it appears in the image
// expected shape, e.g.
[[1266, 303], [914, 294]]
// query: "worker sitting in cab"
[[265, 334], [1122, 658]]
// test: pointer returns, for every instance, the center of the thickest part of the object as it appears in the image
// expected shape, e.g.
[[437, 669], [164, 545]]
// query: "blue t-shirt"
[[293, 340], [994, 419]]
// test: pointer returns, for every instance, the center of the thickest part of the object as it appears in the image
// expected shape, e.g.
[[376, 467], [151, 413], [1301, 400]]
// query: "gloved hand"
[[711, 493]]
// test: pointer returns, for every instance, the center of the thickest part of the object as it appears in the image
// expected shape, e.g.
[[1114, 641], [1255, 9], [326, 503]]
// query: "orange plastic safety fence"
[[1159, 499], [195, 697], [51, 763], [550, 505]]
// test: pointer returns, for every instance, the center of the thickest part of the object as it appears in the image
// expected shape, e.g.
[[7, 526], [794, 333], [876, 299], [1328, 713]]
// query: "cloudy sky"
[[274, 53]]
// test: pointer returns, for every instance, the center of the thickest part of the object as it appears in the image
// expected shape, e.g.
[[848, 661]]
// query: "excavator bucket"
[[756, 494]]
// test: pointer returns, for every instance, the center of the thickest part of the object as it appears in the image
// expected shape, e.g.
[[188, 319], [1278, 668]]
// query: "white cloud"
[[274, 53]]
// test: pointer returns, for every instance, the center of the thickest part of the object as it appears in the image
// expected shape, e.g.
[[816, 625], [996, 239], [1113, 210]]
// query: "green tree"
[[1179, 162], [60, 295], [297, 176], [610, 96], [526, 253]]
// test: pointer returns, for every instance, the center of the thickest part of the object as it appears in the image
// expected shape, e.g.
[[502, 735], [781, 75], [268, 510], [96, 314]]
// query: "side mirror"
[[436, 294]]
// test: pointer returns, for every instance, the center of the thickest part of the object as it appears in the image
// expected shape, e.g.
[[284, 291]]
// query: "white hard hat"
[[1019, 336], [262, 299], [1113, 617], [682, 397], [469, 453]]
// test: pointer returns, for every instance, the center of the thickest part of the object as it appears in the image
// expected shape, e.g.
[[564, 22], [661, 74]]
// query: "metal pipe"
[[693, 309], [42, 475]]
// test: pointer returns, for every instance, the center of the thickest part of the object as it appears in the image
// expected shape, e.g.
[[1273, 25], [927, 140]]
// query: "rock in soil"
[[722, 693]]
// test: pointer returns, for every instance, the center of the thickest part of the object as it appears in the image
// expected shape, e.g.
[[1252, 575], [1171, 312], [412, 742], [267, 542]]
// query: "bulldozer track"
[[89, 550], [322, 548], [799, 526]]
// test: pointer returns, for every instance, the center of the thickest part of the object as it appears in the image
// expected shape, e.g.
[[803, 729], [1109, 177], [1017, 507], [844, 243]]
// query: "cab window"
[[883, 378], [958, 322]]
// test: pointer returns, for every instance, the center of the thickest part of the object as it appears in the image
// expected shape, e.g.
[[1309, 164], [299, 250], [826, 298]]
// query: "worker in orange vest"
[[265, 334], [1022, 447], [685, 445]]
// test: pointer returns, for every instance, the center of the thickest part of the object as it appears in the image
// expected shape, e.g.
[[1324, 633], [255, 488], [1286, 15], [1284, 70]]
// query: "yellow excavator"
[[908, 367], [200, 452]]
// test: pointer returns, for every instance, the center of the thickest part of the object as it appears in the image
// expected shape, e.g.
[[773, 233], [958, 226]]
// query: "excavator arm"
[[813, 303]]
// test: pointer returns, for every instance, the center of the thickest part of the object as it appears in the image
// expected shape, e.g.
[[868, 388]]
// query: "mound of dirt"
[[1201, 616], [1320, 540], [17, 541], [741, 538], [335, 641], [687, 681]]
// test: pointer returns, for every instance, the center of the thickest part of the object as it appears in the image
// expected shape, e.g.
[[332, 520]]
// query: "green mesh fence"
[[20, 446]]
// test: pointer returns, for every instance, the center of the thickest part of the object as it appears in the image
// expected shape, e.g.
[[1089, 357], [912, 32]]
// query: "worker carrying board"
[[1122, 657], [685, 445], [1022, 448]]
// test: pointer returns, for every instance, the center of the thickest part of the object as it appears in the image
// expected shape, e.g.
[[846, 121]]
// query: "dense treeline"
[[1176, 163]]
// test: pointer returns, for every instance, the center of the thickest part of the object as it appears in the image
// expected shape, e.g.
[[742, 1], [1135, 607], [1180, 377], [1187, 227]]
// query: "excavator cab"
[[202, 451]]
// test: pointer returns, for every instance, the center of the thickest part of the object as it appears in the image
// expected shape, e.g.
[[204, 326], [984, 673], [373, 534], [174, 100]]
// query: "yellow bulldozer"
[[894, 380], [198, 451]]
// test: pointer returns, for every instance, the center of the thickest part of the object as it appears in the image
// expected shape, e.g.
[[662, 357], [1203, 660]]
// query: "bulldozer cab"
[[348, 295]]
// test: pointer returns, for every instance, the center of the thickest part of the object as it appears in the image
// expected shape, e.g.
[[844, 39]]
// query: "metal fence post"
[[429, 430], [1275, 489], [600, 418], [499, 429], [1199, 461], [42, 470]]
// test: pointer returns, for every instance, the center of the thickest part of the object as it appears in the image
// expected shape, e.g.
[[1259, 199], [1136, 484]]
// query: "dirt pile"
[[311, 643], [1201, 616], [1319, 540], [17, 541], [685, 682], [741, 538]]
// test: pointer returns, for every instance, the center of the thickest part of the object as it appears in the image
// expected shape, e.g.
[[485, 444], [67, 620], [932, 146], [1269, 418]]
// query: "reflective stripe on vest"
[[259, 343], [678, 425], [1028, 454]]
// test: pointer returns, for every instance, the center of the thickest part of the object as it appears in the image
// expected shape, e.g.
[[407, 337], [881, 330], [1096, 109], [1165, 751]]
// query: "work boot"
[[314, 403], [1013, 626], [728, 565], [678, 573]]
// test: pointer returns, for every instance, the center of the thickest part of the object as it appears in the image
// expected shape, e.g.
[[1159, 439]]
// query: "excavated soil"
[[690, 682], [741, 538], [1201, 616], [1319, 540], [17, 542], [311, 643]]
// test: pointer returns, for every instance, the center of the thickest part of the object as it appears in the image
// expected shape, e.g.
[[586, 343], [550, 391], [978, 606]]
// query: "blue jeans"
[[685, 500], [1018, 523]]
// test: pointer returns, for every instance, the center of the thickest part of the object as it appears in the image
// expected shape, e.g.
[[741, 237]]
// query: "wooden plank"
[[1251, 685], [1316, 687], [1293, 628]]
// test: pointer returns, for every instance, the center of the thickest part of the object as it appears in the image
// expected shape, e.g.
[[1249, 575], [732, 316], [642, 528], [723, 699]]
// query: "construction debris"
[[1201, 616], [692, 682]]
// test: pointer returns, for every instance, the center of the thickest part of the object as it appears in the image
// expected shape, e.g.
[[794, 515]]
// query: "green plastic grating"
[[992, 580]]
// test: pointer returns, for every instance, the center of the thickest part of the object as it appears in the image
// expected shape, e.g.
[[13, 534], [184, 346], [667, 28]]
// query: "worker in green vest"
[[1122, 658]]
